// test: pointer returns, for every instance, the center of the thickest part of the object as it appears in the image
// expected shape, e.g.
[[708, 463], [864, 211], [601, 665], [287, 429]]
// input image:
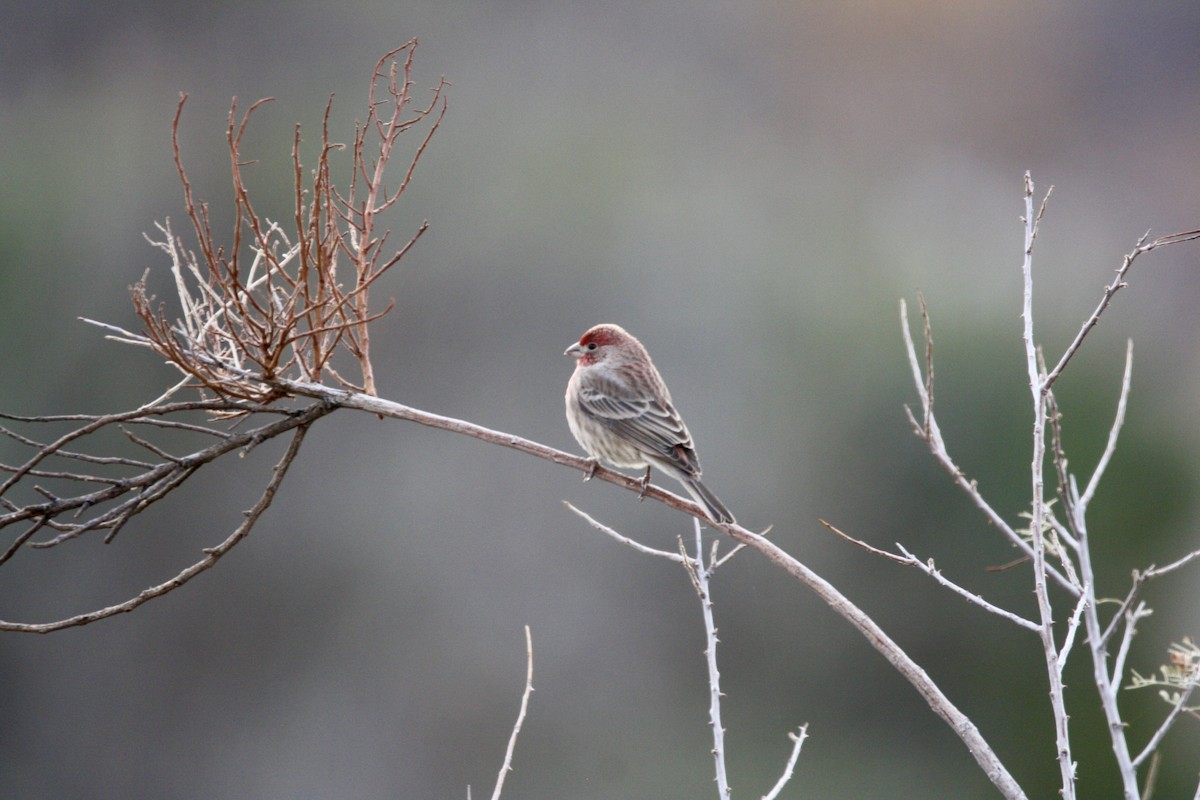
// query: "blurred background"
[[751, 189]]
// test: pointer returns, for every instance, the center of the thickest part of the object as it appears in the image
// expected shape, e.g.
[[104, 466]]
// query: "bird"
[[620, 412]]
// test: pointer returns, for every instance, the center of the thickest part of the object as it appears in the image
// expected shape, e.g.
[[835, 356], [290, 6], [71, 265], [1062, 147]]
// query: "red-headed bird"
[[620, 412]]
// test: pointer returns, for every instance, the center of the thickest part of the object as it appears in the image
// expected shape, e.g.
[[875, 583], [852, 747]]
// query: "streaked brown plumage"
[[620, 412]]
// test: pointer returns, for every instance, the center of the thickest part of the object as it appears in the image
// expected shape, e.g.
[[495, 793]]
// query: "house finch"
[[620, 412]]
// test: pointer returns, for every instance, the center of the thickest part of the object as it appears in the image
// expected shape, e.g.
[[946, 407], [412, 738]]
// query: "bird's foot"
[[591, 470], [645, 482]]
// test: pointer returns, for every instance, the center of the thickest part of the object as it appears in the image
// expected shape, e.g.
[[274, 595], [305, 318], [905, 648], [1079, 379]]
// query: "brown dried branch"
[[278, 304], [379, 133], [267, 306], [211, 555], [136, 484]]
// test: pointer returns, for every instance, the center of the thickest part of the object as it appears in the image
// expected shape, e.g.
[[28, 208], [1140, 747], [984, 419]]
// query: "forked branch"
[[268, 306], [279, 304], [299, 424]]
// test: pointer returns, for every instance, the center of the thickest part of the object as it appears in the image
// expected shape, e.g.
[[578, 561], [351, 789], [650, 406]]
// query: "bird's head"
[[600, 343]]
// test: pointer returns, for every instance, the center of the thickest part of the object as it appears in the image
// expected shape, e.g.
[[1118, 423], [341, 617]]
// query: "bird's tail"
[[711, 503]]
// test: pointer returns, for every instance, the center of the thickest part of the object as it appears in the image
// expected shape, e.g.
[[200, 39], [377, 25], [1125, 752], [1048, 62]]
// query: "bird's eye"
[[591, 346]]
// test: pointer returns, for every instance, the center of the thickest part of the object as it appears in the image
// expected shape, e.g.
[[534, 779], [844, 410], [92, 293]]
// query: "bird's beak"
[[574, 351]]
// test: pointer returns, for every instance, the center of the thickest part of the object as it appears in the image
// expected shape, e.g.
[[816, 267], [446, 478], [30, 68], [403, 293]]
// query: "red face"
[[594, 339]]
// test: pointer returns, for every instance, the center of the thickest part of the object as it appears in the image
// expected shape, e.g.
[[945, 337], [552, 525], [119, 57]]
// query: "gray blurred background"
[[750, 188]]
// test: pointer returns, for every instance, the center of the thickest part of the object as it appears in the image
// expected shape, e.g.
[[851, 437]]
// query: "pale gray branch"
[[506, 767], [931, 434], [797, 742], [932, 571], [1039, 390], [1158, 572], [623, 539], [1118, 283], [909, 560], [1111, 445], [1072, 628], [700, 574], [1176, 710]]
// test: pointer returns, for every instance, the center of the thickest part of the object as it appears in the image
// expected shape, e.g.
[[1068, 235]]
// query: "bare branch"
[[1118, 283], [127, 495], [941, 705], [1131, 618], [1072, 628], [1140, 578], [717, 562], [931, 434], [1111, 446], [623, 539], [1151, 777], [1176, 710], [699, 576], [1158, 572], [875, 551], [506, 767], [211, 555], [797, 742], [931, 570], [288, 311], [1038, 506]]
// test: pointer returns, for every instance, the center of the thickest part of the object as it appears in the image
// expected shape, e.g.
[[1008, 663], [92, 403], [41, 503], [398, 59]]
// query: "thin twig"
[[148, 486], [1140, 578], [931, 434], [506, 767], [932, 571], [1131, 618], [211, 555], [1151, 777], [1072, 629], [1158, 572], [1118, 283], [1176, 711], [797, 742], [1111, 445], [622, 538]]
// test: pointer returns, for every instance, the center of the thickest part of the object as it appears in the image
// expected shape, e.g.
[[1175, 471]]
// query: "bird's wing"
[[654, 426]]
